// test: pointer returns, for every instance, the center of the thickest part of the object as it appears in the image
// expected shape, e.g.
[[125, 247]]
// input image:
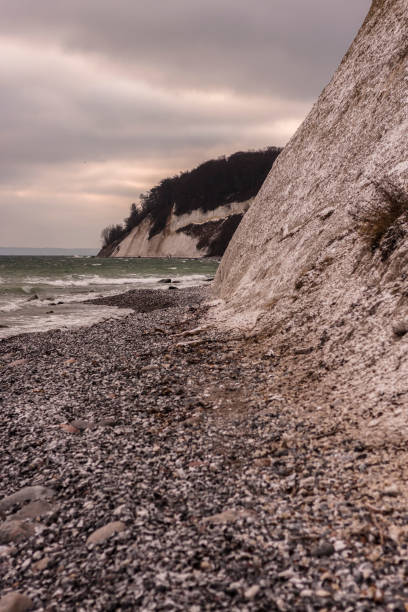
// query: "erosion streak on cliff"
[[299, 266]]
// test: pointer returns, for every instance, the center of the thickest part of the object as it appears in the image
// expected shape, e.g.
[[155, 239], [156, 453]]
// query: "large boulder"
[[319, 262]]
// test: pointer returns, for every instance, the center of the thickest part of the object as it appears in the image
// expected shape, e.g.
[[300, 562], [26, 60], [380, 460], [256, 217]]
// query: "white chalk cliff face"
[[298, 267], [189, 235]]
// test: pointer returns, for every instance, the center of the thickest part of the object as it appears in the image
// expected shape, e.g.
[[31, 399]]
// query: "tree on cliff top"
[[212, 184]]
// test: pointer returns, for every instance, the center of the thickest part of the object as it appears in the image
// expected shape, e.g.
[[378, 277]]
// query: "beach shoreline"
[[218, 485]]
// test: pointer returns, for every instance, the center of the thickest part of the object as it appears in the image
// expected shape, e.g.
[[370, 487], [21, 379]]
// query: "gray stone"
[[41, 565], [228, 516], [252, 592], [103, 533], [25, 495], [34, 510], [15, 602], [326, 549], [81, 424], [14, 531]]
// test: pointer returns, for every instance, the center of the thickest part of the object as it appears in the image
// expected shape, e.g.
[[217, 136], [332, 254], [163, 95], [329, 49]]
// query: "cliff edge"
[[319, 262]]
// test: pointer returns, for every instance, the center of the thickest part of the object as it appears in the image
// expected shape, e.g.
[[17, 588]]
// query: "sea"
[[43, 289]]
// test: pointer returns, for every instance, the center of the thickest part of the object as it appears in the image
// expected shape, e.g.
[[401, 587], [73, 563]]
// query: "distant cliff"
[[194, 214]]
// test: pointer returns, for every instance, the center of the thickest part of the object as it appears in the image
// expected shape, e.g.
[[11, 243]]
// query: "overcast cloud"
[[103, 98]]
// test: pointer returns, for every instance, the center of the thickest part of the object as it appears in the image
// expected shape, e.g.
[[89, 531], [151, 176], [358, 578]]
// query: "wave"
[[68, 290], [77, 316], [95, 280]]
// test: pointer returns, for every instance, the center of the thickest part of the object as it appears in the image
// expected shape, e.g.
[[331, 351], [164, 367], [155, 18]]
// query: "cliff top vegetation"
[[214, 183]]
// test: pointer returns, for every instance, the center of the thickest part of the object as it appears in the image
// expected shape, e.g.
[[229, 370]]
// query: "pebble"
[[252, 592], [41, 565], [391, 491], [263, 479], [69, 428], [326, 549]]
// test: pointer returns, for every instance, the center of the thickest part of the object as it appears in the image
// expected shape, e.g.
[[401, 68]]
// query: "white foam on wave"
[[72, 290], [84, 280], [84, 316], [12, 305]]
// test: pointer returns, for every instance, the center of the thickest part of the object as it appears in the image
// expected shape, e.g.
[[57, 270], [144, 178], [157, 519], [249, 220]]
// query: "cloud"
[[102, 99]]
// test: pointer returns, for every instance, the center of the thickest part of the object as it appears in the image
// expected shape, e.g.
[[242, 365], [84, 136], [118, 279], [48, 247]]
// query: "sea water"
[[41, 292]]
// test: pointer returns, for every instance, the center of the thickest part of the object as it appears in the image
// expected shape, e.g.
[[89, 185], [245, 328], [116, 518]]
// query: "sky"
[[101, 99]]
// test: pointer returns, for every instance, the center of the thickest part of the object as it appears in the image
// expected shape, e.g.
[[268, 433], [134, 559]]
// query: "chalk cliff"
[[196, 234], [320, 261], [192, 214]]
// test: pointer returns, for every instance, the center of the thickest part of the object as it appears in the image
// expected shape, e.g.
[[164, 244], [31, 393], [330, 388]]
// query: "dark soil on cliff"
[[220, 485]]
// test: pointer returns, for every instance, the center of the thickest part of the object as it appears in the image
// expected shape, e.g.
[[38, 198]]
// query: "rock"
[[326, 213], [173, 288], [27, 494], [339, 546], [2, 326], [400, 329], [15, 531], [164, 280], [103, 533], [49, 312], [304, 351], [33, 297], [391, 491], [15, 602], [228, 516], [16, 363], [325, 549], [69, 428], [194, 332], [70, 361], [252, 592], [109, 422], [41, 565], [34, 509], [190, 343], [81, 425]]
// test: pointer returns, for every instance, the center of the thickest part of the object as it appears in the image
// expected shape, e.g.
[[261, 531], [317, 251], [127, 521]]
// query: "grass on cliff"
[[377, 221]]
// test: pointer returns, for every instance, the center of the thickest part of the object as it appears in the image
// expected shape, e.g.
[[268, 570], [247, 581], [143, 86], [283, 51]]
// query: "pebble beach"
[[156, 462]]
